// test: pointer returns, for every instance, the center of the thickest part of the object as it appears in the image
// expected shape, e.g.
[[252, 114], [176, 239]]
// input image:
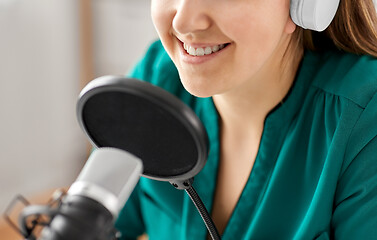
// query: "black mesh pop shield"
[[151, 124], [146, 121]]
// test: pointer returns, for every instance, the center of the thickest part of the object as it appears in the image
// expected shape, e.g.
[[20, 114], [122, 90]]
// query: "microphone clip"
[[182, 184], [33, 217]]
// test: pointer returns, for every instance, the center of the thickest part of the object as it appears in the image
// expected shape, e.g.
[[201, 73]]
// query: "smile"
[[201, 51]]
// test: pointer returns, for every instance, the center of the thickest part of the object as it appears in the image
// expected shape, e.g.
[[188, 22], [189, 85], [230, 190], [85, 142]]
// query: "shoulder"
[[346, 75], [352, 78], [344, 88]]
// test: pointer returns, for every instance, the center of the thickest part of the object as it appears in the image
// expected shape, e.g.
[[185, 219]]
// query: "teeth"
[[191, 51], [215, 48], [199, 52], [208, 50], [202, 51]]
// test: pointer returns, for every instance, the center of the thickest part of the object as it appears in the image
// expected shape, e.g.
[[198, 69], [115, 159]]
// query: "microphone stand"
[[187, 186]]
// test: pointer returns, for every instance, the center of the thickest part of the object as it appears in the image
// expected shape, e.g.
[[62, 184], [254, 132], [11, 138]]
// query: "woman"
[[291, 116]]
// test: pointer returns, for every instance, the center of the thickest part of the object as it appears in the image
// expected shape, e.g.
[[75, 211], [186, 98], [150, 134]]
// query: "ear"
[[290, 26]]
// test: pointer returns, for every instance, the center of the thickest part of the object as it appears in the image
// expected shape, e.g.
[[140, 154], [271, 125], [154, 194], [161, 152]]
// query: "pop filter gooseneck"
[[150, 123]]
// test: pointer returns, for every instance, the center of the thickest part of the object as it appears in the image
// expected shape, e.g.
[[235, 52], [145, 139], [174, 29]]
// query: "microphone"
[[92, 203]]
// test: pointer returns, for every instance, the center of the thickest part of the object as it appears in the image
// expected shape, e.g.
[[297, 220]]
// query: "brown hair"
[[354, 29]]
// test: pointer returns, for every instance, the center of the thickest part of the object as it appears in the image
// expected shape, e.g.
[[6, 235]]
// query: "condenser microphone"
[[92, 203]]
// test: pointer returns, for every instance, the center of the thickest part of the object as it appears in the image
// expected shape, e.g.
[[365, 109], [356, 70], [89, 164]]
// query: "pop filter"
[[153, 125], [146, 121]]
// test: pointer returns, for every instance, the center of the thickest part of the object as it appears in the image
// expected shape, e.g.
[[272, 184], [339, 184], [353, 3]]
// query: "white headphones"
[[313, 14]]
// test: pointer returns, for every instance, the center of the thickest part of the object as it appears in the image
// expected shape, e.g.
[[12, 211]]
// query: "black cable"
[[203, 213]]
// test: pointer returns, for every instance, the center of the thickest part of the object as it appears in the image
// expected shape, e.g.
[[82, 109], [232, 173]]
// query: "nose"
[[191, 17]]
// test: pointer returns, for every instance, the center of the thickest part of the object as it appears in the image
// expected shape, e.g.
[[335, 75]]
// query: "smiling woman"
[[290, 114], [209, 24]]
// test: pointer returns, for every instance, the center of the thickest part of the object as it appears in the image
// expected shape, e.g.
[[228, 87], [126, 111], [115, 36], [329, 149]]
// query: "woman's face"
[[220, 45]]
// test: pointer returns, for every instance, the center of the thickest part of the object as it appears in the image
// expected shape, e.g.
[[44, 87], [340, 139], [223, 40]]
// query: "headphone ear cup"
[[313, 14]]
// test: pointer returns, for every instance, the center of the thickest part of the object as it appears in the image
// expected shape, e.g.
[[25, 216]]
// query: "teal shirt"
[[315, 174]]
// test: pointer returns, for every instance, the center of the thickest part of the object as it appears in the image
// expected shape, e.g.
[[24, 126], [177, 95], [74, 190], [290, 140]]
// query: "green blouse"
[[315, 174]]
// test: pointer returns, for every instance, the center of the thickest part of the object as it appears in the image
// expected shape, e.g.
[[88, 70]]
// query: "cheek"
[[261, 30], [259, 17], [161, 15], [254, 40]]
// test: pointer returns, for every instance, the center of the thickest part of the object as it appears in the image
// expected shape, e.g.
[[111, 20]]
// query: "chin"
[[200, 94], [199, 89]]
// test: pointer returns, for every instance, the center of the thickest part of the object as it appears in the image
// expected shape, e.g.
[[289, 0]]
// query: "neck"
[[245, 108]]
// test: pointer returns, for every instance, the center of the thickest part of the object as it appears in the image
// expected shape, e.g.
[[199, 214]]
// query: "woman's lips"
[[200, 53]]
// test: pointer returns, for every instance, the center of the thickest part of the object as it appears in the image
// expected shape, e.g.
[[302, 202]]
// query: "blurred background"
[[49, 50]]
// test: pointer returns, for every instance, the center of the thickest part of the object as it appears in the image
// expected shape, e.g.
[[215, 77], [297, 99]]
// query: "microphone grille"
[[108, 170]]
